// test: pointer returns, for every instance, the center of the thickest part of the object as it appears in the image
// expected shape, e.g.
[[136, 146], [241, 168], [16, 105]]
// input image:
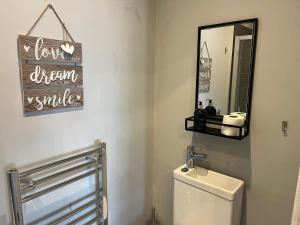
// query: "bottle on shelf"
[[200, 117], [210, 109]]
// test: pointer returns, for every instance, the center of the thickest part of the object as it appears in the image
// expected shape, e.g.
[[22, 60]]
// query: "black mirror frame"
[[252, 65]]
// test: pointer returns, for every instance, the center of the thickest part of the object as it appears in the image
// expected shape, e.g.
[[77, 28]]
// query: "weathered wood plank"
[[47, 50], [46, 99], [46, 76]]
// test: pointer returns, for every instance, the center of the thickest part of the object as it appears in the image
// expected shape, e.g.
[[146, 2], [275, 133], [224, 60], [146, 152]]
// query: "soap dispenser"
[[200, 117], [210, 109]]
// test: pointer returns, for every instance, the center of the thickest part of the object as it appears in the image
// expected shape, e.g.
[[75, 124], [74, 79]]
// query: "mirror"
[[226, 54]]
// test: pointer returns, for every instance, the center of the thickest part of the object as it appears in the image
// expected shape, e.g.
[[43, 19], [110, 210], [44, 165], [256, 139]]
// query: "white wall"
[[117, 39], [217, 40], [266, 160]]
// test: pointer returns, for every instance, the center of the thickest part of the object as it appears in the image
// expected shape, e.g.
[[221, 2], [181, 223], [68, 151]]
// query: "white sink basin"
[[210, 181]]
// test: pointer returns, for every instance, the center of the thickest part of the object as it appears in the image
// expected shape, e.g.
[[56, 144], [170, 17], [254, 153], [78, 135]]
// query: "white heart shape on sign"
[[71, 50], [26, 48], [78, 97], [29, 99], [68, 48], [64, 48]]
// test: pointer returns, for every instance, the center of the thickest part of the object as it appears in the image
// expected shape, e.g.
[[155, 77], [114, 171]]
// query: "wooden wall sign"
[[51, 73]]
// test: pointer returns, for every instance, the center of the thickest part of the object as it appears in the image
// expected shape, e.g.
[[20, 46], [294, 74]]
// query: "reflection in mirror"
[[224, 67]]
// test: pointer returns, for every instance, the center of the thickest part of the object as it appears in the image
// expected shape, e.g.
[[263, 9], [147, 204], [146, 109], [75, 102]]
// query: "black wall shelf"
[[213, 127]]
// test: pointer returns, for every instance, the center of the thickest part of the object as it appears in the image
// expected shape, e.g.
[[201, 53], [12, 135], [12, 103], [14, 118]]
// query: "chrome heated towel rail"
[[41, 180]]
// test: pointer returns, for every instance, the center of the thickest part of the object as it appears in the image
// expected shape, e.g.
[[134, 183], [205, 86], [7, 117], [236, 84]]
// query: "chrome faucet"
[[192, 155]]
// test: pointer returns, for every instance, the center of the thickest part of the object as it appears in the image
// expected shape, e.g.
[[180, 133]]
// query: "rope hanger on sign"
[[66, 33]]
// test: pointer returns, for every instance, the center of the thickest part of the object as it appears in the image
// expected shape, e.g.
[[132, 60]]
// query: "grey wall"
[[118, 40], [266, 160], [118, 50]]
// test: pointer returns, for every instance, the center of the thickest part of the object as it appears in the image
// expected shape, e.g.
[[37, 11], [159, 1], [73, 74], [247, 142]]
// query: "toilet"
[[204, 197]]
